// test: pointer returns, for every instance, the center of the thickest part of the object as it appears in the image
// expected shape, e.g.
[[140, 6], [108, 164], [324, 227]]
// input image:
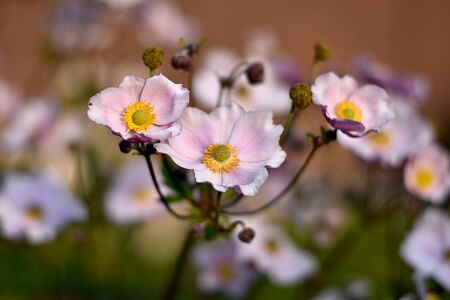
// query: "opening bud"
[[150, 148], [153, 57], [246, 235], [125, 146], [321, 52], [181, 62], [301, 95], [255, 73]]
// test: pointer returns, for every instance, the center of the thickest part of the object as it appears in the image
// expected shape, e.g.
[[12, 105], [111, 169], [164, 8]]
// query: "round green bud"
[[153, 57], [301, 95], [321, 52]]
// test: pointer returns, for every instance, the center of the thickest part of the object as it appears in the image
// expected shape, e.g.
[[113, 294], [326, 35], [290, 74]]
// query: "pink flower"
[[140, 110], [351, 109], [427, 174], [229, 148], [427, 246]]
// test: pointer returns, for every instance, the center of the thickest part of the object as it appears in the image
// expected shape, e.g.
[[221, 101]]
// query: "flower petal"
[[168, 99]]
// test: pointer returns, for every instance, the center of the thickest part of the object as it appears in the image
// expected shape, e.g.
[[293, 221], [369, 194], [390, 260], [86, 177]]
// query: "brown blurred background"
[[407, 35]]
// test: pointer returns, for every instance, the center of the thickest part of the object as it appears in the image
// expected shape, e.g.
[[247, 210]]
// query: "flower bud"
[[301, 95], [321, 52], [150, 148], [318, 141], [255, 73], [246, 235], [125, 146], [153, 57], [330, 135], [181, 62]]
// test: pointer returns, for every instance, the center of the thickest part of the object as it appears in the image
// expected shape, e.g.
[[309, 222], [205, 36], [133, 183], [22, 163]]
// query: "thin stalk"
[[217, 215], [155, 183], [288, 123], [233, 201], [313, 72], [152, 73], [280, 195], [174, 282]]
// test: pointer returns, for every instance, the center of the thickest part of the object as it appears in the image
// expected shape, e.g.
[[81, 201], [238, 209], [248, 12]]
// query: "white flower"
[[35, 207], [427, 246], [218, 63], [132, 197], [275, 255], [220, 270], [31, 124], [427, 174], [351, 109], [396, 141]]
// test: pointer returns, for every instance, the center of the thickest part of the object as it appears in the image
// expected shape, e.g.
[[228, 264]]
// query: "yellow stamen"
[[139, 116], [349, 110], [35, 213], [272, 246], [226, 271], [141, 195], [424, 178], [432, 296], [221, 158], [380, 140]]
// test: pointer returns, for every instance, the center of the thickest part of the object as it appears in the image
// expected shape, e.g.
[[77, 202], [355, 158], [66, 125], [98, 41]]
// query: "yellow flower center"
[[380, 140], [349, 110], [424, 178], [34, 213], [432, 296], [272, 246], [242, 91], [226, 271], [141, 195], [221, 158], [139, 116]]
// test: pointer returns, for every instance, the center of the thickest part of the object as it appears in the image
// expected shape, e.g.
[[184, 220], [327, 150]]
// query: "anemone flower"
[[351, 109], [140, 110], [229, 148]]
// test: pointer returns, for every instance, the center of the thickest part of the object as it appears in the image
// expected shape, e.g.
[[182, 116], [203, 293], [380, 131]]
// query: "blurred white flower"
[[395, 142], [272, 93], [31, 124], [162, 23], [122, 4], [11, 100], [427, 174], [427, 247], [220, 270], [35, 207], [274, 254], [78, 26], [132, 197]]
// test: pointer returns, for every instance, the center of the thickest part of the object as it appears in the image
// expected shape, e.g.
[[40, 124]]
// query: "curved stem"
[[280, 195], [155, 183], [217, 215], [172, 286], [233, 202], [288, 123]]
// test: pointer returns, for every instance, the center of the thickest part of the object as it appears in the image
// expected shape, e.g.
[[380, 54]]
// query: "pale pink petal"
[[320, 84], [374, 103], [255, 136], [133, 85], [226, 116], [168, 99], [156, 132], [337, 92], [198, 133], [106, 108]]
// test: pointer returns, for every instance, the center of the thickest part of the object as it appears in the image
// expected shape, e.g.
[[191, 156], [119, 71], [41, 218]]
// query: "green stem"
[[155, 183], [288, 123], [217, 215], [280, 195], [152, 73], [174, 282], [313, 72]]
